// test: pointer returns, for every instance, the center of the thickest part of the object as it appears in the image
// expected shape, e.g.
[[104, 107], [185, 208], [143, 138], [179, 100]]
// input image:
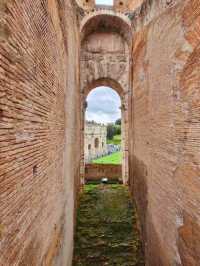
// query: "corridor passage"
[[106, 232]]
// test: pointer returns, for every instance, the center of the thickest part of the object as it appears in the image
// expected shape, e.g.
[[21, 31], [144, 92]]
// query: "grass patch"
[[114, 158]]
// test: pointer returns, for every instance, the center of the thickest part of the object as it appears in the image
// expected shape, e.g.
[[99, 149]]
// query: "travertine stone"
[[95, 141]]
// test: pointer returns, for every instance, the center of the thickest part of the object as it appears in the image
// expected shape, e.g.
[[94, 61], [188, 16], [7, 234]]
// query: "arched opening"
[[104, 124], [106, 21], [96, 143], [106, 39]]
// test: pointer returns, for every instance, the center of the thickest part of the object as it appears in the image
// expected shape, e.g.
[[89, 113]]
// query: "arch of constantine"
[[95, 141], [52, 54]]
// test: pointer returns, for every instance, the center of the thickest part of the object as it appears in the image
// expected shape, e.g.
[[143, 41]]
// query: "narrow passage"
[[106, 232]]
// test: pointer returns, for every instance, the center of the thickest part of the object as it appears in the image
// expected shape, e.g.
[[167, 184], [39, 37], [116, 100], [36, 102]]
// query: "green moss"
[[105, 222]]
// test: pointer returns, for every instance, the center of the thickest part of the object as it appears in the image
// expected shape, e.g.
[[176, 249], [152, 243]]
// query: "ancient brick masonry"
[[165, 163], [95, 172], [38, 81], [41, 117]]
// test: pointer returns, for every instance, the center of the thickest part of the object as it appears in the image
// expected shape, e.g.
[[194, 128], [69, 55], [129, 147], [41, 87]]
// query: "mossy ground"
[[106, 231]]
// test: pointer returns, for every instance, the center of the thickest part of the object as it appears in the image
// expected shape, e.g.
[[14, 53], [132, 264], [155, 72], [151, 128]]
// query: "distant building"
[[95, 145]]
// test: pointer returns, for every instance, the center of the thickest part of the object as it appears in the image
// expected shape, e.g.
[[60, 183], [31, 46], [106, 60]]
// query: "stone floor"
[[106, 231]]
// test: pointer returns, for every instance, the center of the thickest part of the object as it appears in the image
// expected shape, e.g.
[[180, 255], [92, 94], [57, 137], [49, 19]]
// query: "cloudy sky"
[[103, 105], [104, 2]]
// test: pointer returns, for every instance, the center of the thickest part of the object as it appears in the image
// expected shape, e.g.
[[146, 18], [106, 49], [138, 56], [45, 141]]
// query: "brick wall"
[[38, 131], [165, 157], [94, 172]]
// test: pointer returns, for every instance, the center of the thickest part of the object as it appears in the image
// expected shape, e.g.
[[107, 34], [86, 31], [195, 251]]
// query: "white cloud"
[[103, 105], [104, 2]]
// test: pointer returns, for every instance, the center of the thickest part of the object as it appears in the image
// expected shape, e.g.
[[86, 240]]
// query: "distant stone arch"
[[113, 84]]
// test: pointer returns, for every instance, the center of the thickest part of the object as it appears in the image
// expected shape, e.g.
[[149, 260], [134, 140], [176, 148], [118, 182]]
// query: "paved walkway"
[[106, 228]]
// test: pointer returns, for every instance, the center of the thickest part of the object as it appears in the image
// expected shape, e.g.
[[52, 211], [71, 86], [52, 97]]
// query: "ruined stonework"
[[52, 54], [104, 55], [95, 141], [105, 61]]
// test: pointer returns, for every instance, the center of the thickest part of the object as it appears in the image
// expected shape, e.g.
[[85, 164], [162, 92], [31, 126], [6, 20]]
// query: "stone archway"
[[125, 113], [105, 61], [109, 20]]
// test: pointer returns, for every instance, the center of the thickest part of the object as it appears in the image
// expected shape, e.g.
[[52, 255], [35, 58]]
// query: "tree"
[[118, 122], [118, 130], [110, 131]]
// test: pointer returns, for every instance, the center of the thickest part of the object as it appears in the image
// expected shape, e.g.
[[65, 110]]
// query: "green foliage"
[[117, 130], [110, 131], [106, 232], [116, 140], [113, 130], [118, 122], [114, 158]]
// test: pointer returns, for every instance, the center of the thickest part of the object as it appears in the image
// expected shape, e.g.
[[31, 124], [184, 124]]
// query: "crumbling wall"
[[39, 126], [104, 55], [165, 151], [87, 5], [126, 5]]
